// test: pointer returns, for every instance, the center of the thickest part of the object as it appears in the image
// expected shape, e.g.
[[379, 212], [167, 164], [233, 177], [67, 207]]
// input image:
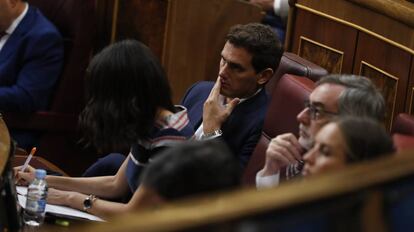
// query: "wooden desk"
[[289, 199]]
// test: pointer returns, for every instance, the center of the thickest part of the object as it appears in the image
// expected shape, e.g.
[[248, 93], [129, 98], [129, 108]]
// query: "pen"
[[26, 163]]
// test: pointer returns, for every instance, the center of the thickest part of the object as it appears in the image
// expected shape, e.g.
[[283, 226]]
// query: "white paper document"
[[56, 209]]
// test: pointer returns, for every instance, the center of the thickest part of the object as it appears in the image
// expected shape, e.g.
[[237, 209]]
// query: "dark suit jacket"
[[30, 64], [242, 129]]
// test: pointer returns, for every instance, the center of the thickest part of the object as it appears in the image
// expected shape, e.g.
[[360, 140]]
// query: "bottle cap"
[[40, 173]]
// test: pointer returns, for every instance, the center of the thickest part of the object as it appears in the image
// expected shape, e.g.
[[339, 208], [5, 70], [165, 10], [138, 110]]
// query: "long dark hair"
[[125, 86], [365, 138]]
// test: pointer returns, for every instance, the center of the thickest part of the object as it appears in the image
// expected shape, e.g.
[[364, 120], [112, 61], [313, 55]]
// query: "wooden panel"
[[104, 13], [399, 10], [326, 43], [358, 14], [388, 85], [410, 99], [144, 20], [186, 35], [388, 67], [410, 91], [195, 36], [384, 49], [323, 54]]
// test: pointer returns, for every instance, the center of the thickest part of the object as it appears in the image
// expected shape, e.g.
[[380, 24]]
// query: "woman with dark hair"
[[347, 140], [128, 104]]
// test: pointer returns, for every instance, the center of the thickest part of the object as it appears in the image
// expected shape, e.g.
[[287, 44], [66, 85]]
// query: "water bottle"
[[34, 212]]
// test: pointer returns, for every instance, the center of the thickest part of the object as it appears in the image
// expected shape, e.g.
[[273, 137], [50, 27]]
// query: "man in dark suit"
[[234, 107], [31, 57]]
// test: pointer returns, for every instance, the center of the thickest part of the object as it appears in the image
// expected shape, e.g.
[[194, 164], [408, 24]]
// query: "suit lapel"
[[246, 108], [198, 115], [13, 42]]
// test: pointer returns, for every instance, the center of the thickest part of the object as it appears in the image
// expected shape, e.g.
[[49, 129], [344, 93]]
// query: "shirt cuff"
[[263, 182], [204, 137]]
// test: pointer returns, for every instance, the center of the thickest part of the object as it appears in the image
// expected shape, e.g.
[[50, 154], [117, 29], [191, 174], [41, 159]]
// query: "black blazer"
[[242, 129]]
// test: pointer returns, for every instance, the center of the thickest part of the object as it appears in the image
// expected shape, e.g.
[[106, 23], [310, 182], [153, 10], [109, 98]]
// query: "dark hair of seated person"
[[125, 86], [192, 168], [260, 41], [365, 138]]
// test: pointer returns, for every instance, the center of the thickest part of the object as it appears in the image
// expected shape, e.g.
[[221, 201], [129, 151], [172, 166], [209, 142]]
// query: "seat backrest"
[[76, 21], [403, 124], [291, 63], [57, 142], [402, 131], [286, 102]]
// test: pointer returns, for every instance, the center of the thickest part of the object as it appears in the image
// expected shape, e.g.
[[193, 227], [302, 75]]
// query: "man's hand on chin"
[[215, 112]]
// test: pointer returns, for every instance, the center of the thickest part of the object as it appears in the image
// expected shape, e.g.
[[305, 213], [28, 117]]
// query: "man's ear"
[[264, 76], [17, 6], [13, 3]]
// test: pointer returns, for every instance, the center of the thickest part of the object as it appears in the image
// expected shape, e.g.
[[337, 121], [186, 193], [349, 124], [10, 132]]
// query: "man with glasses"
[[334, 95]]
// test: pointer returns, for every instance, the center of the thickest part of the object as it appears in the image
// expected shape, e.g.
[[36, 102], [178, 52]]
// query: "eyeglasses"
[[316, 112]]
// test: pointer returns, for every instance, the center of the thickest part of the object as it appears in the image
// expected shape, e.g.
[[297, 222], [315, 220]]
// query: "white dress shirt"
[[13, 26], [281, 8], [264, 182]]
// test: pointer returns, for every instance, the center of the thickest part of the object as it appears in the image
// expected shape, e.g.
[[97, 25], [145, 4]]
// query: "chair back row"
[[402, 132]]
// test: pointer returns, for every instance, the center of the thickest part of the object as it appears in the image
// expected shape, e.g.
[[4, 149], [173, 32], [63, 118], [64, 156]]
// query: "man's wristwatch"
[[88, 202], [215, 133]]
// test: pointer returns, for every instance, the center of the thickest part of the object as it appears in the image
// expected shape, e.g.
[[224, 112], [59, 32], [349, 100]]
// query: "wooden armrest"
[[309, 69], [37, 162], [4, 145], [20, 152]]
